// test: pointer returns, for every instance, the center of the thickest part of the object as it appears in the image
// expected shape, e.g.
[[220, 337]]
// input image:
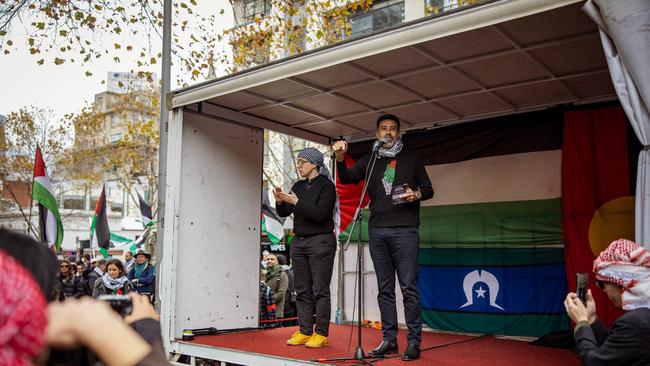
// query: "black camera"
[[121, 304], [582, 280]]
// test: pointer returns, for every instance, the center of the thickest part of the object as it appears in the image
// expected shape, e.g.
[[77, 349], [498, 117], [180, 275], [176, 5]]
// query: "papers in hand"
[[399, 194]]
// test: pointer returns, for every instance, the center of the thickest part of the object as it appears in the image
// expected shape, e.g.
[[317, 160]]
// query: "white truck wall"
[[215, 275], [370, 310]]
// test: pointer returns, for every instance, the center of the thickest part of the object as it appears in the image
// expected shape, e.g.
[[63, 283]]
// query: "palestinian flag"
[[598, 177], [349, 195], [491, 249], [50, 224], [119, 240], [140, 240], [99, 231], [145, 212], [271, 221]]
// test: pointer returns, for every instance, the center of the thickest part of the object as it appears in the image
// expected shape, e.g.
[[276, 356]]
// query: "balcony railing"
[[377, 19]]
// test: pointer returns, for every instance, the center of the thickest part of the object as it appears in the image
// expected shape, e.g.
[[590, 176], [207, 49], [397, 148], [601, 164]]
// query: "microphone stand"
[[359, 355]]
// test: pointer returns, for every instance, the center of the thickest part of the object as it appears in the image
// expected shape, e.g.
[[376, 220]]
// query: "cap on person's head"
[[391, 117], [626, 264]]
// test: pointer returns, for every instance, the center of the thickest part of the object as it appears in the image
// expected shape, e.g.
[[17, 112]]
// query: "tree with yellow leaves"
[[118, 142], [22, 131], [80, 31]]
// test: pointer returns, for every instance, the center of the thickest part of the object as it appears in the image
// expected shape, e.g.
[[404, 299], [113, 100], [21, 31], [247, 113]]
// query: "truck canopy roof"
[[500, 58]]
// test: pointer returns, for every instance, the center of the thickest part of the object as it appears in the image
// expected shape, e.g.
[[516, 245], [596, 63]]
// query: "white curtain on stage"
[[625, 34]]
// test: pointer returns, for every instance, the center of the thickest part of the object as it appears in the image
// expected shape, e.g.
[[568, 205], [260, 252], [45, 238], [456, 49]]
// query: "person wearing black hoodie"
[[397, 185]]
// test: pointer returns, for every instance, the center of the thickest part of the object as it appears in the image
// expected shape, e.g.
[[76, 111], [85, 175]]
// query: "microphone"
[[381, 142]]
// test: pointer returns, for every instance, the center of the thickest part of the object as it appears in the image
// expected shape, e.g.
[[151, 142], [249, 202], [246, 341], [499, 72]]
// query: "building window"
[[255, 9], [117, 207], [116, 137], [435, 7], [116, 121], [74, 202], [384, 14]]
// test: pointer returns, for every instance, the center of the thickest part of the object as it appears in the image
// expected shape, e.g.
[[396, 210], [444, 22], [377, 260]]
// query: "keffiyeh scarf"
[[272, 272], [626, 264], [22, 314], [391, 152], [114, 283]]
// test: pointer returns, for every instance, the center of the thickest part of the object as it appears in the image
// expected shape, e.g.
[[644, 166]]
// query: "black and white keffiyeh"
[[392, 151], [114, 283]]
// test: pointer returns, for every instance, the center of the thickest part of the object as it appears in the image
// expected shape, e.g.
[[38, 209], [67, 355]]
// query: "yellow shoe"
[[317, 341], [298, 339]]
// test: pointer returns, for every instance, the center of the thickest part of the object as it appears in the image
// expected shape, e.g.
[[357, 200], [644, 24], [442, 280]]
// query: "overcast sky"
[[65, 88]]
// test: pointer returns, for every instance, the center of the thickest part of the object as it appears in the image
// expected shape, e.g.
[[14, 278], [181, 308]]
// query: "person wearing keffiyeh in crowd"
[[393, 229], [314, 204], [278, 281], [267, 305], [22, 323], [29, 326], [114, 281], [623, 273]]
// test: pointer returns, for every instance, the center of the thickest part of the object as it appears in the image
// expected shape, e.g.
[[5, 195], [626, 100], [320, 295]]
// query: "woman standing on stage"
[[314, 205]]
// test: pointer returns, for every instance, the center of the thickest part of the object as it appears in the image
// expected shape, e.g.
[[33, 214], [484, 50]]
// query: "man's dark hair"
[[282, 259], [36, 257], [391, 117]]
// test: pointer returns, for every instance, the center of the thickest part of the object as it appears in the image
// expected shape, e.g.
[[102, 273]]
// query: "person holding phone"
[[72, 332], [397, 185], [623, 273], [314, 204]]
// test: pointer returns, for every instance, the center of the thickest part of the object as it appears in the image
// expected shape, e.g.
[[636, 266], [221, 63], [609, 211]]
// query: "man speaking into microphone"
[[396, 186]]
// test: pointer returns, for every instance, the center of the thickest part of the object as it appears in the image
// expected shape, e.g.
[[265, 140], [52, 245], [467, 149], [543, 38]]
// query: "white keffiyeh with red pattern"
[[22, 314], [626, 264]]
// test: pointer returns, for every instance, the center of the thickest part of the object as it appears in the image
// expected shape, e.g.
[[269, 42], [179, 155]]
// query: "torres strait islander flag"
[[491, 249], [51, 227]]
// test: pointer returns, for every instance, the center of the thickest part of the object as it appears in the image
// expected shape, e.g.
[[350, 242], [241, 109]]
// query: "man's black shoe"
[[384, 348], [412, 352]]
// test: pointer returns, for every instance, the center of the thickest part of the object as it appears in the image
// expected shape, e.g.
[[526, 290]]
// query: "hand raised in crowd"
[[340, 148]]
